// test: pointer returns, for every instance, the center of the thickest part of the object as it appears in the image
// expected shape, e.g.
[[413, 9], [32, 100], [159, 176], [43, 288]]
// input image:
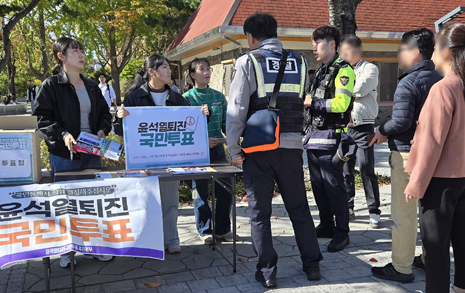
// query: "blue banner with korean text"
[[164, 137]]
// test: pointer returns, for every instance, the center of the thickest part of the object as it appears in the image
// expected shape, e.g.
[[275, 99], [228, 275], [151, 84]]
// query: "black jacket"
[[58, 111], [142, 98], [410, 95]]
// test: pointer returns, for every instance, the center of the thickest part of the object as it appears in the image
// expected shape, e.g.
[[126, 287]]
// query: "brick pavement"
[[199, 269]]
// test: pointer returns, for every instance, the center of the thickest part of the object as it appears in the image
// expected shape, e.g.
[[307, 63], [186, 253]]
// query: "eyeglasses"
[[205, 70]]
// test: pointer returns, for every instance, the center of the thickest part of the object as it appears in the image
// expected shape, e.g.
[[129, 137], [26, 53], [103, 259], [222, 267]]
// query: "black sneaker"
[[388, 272], [313, 274], [324, 232], [338, 244], [266, 283], [418, 263]]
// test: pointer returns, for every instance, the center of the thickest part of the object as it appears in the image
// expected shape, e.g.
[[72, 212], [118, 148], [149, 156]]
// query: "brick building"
[[215, 31]]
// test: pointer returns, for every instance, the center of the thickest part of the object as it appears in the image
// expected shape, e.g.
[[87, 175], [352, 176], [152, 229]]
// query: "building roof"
[[371, 15], [209, 14]]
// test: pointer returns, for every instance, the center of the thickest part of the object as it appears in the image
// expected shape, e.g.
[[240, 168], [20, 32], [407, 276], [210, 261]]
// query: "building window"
[[388, 74]]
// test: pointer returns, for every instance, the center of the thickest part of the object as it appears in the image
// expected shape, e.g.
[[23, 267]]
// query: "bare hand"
[[308, 101], [68, 139], [122, 112], [378, 138], [204, 110], [408, 197], [239, 160], [101, 134], [212, 142]]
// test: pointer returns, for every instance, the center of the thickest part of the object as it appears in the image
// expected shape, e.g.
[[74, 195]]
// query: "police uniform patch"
[[344, 80]]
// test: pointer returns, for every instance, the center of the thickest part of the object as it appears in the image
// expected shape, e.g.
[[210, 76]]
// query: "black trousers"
[[442, 221], [366, 162], [261, 171], [328, 189]]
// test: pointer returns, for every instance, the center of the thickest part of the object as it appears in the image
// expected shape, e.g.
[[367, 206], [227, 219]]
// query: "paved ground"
[[199, 269]]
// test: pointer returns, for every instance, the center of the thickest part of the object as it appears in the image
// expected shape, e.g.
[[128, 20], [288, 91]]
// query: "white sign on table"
[[111, 217], [163, 137], [16, 157]]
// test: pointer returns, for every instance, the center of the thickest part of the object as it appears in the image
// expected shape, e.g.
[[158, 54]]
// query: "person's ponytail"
[[57, 69], [153, 61]]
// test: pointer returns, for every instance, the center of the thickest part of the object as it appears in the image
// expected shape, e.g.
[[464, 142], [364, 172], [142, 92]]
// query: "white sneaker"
[[65, 261], [99, 257], [375, 221], [173, 249], [228, 237], [207, 239]]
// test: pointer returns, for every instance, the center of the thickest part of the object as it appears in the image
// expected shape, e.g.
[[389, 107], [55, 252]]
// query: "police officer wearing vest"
[[328, 104], [251, 89]]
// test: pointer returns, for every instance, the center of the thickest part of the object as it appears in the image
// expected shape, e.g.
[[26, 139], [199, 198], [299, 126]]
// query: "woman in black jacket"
[[66, 105], [150, 88]]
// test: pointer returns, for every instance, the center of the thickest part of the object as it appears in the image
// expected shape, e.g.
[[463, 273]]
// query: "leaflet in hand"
[[91, 144]]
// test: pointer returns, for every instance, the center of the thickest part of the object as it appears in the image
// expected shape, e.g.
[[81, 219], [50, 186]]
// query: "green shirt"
[[217, 104]]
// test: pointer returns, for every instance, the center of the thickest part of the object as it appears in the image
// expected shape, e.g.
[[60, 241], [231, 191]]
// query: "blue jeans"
[[202, 210], [169, 194], [86, 161]]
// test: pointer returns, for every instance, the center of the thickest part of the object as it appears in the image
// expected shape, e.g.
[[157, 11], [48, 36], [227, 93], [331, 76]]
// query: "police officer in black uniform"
[[251, 90]]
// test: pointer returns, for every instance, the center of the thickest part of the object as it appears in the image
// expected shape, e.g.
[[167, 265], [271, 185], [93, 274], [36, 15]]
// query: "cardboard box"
[[19, 150]]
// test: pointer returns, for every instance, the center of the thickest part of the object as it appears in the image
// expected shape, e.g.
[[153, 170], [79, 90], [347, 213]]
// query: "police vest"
[[323, 87], [290, 99]]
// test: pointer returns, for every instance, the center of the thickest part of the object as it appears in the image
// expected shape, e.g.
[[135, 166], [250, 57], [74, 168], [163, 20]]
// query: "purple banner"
[[39, 253]]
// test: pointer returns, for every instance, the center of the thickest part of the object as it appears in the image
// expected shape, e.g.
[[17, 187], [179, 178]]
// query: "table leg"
[[213, 219], [73, 277], [233, 188], [46, 262]]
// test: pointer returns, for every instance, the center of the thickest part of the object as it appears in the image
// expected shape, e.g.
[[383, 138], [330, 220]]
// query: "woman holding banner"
[[66, 105], [150, 88]]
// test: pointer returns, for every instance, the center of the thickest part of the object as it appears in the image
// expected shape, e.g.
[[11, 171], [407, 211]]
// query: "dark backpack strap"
[[279, 79]]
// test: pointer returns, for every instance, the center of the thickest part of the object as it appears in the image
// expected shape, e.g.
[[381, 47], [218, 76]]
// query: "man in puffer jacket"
[[414, 54], [361, 127]]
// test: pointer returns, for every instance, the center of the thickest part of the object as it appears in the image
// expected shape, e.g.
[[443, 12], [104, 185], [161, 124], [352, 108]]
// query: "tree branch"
[[7, 31]]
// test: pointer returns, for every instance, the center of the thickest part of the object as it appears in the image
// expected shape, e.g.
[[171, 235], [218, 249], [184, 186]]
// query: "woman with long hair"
[[151, 89], [66, 105], [201, 94], [437, 165]]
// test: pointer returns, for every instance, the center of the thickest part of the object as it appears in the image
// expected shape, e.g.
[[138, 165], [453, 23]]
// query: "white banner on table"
[[110, 217], [163, 137]]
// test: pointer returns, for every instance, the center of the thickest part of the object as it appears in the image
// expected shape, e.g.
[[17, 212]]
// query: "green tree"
[[19, 13]]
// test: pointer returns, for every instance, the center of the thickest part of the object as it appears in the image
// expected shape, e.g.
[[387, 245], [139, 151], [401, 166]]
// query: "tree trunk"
[[115, 83], [11, 68], [7, 31], [342, 15]]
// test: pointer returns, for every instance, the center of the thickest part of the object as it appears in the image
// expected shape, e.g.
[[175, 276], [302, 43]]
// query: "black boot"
[[313, 274], [338, 244], [324, 232]]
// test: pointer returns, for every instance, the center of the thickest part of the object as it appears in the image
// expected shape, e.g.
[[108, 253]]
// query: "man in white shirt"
[[361, 127], [107, 91]]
